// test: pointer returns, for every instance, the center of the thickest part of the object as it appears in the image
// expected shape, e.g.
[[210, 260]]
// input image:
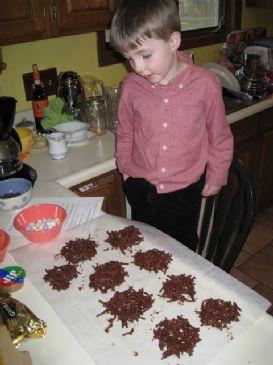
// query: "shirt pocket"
[[146, 121], [189, 121]]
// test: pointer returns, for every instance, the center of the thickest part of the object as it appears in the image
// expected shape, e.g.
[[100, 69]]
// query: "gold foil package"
[[20, 321]]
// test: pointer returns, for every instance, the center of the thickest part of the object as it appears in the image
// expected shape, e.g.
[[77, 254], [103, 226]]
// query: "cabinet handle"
[[54, 8]]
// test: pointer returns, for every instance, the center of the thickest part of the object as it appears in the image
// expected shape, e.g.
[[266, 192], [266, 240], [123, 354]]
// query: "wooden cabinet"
[[264, 182], [267, 4], [245, 135], [253, 137], [28, 20], [109, 186], [22, 20], [79, 16]]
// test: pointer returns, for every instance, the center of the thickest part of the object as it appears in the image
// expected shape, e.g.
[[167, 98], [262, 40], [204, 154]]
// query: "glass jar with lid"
[[96, 115], [112, 101], [94, 104]]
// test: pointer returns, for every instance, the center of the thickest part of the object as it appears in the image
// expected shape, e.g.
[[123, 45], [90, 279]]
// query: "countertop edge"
[[84, 174], [250, 110]]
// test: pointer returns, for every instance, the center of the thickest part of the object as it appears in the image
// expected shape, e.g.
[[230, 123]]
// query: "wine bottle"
[[39, 99]]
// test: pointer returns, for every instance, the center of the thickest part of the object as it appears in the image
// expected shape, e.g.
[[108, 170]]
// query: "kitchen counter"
[[54, 177], [82, 162], [73, 335], [91, 159], [253, 108]]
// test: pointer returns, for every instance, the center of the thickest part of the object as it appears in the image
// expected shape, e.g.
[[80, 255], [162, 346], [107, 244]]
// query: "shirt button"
[[166, 100], [165, 125], [161, 186], [164, 147], [163, 169], [180, 86]]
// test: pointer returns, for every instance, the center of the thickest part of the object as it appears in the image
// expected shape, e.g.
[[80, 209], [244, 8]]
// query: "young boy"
[[173, 140]]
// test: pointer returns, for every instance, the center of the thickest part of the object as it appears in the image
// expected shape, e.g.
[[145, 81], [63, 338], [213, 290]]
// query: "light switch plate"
[[48, 78]]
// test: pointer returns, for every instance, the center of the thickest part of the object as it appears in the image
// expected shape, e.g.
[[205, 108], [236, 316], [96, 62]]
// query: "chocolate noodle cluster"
[[107, 276], [79, 250], [218, 313], [124, 238], [60, 276], [176, 336], [153, 260], [179, 288], [127, 306]]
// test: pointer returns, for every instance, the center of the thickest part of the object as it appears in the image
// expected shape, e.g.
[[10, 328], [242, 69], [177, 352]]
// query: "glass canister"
[[94, 104], [112, 101], [92, 87], [96, 115], [70, 91]]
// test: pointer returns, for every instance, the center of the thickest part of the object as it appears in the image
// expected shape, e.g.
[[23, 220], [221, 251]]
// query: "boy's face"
[[156, 59]]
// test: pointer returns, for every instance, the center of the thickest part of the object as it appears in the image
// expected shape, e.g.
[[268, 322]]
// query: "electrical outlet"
[[48, 78]]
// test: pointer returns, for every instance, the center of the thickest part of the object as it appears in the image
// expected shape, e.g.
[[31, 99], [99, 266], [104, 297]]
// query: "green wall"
[[79, 53]]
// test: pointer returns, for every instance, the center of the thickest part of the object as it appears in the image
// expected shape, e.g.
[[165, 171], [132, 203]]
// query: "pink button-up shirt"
[[167, 134]]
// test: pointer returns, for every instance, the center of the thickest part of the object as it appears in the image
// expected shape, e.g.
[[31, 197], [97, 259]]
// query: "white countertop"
[[83, 162], [62, 346], [252, 109]]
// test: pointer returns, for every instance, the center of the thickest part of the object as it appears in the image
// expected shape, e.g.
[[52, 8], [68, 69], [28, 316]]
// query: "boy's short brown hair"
[[135, 20]]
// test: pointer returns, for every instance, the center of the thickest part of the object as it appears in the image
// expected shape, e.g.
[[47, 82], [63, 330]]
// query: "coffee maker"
[[10, 145]]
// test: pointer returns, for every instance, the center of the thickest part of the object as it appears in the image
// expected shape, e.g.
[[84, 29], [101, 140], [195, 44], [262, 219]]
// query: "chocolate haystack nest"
[[128, 306], [153, 260], [124, 238], [179, 288], [60, 276], [176, 336], [218, 313], [79, 250], [107, 276]]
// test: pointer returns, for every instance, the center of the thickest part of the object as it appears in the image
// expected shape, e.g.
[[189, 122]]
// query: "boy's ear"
[[175, 40]]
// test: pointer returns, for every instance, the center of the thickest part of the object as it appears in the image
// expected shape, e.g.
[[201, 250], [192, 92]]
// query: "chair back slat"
[[230, 217], [208, 211]]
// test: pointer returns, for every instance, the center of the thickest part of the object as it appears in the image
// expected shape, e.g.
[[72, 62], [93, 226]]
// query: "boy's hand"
[[210, 190], [125, 177]]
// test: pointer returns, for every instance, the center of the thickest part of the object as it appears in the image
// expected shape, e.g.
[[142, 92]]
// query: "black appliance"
[[10, 145]]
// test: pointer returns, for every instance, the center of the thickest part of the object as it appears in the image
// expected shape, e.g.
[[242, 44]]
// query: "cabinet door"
[[268, 4], [109, 186], [265, 171], [245, 140], [76, 16], [22, 21], [264, 164]]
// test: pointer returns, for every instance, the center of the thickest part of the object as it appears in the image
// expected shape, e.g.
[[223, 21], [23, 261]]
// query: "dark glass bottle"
[[39, 99]]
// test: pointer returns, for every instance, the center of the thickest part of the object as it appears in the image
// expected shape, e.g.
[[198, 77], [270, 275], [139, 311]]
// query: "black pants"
[[174, 213]]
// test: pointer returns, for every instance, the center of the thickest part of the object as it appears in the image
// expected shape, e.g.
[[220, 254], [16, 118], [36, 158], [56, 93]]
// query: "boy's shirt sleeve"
[[124, 137], [220, 137]]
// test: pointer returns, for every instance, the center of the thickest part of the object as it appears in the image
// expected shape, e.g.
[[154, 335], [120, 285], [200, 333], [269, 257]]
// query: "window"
[[209, 23], [199, 14], [204, 22]]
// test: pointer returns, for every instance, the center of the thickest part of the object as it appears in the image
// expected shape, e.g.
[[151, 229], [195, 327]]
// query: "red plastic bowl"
[[36, 212], [4, 243]]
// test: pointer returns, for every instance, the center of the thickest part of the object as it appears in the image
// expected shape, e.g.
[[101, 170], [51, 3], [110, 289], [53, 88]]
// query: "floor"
[[254, 266]]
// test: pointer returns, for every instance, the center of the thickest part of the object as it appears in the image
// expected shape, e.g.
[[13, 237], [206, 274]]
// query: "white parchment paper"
[[78, 306]]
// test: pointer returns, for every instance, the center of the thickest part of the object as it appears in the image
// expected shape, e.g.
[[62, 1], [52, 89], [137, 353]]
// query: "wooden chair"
[[227, 219]]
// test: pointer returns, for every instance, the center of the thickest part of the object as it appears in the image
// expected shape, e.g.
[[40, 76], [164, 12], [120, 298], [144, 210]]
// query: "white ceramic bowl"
[[74, 131], [15, 193]]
